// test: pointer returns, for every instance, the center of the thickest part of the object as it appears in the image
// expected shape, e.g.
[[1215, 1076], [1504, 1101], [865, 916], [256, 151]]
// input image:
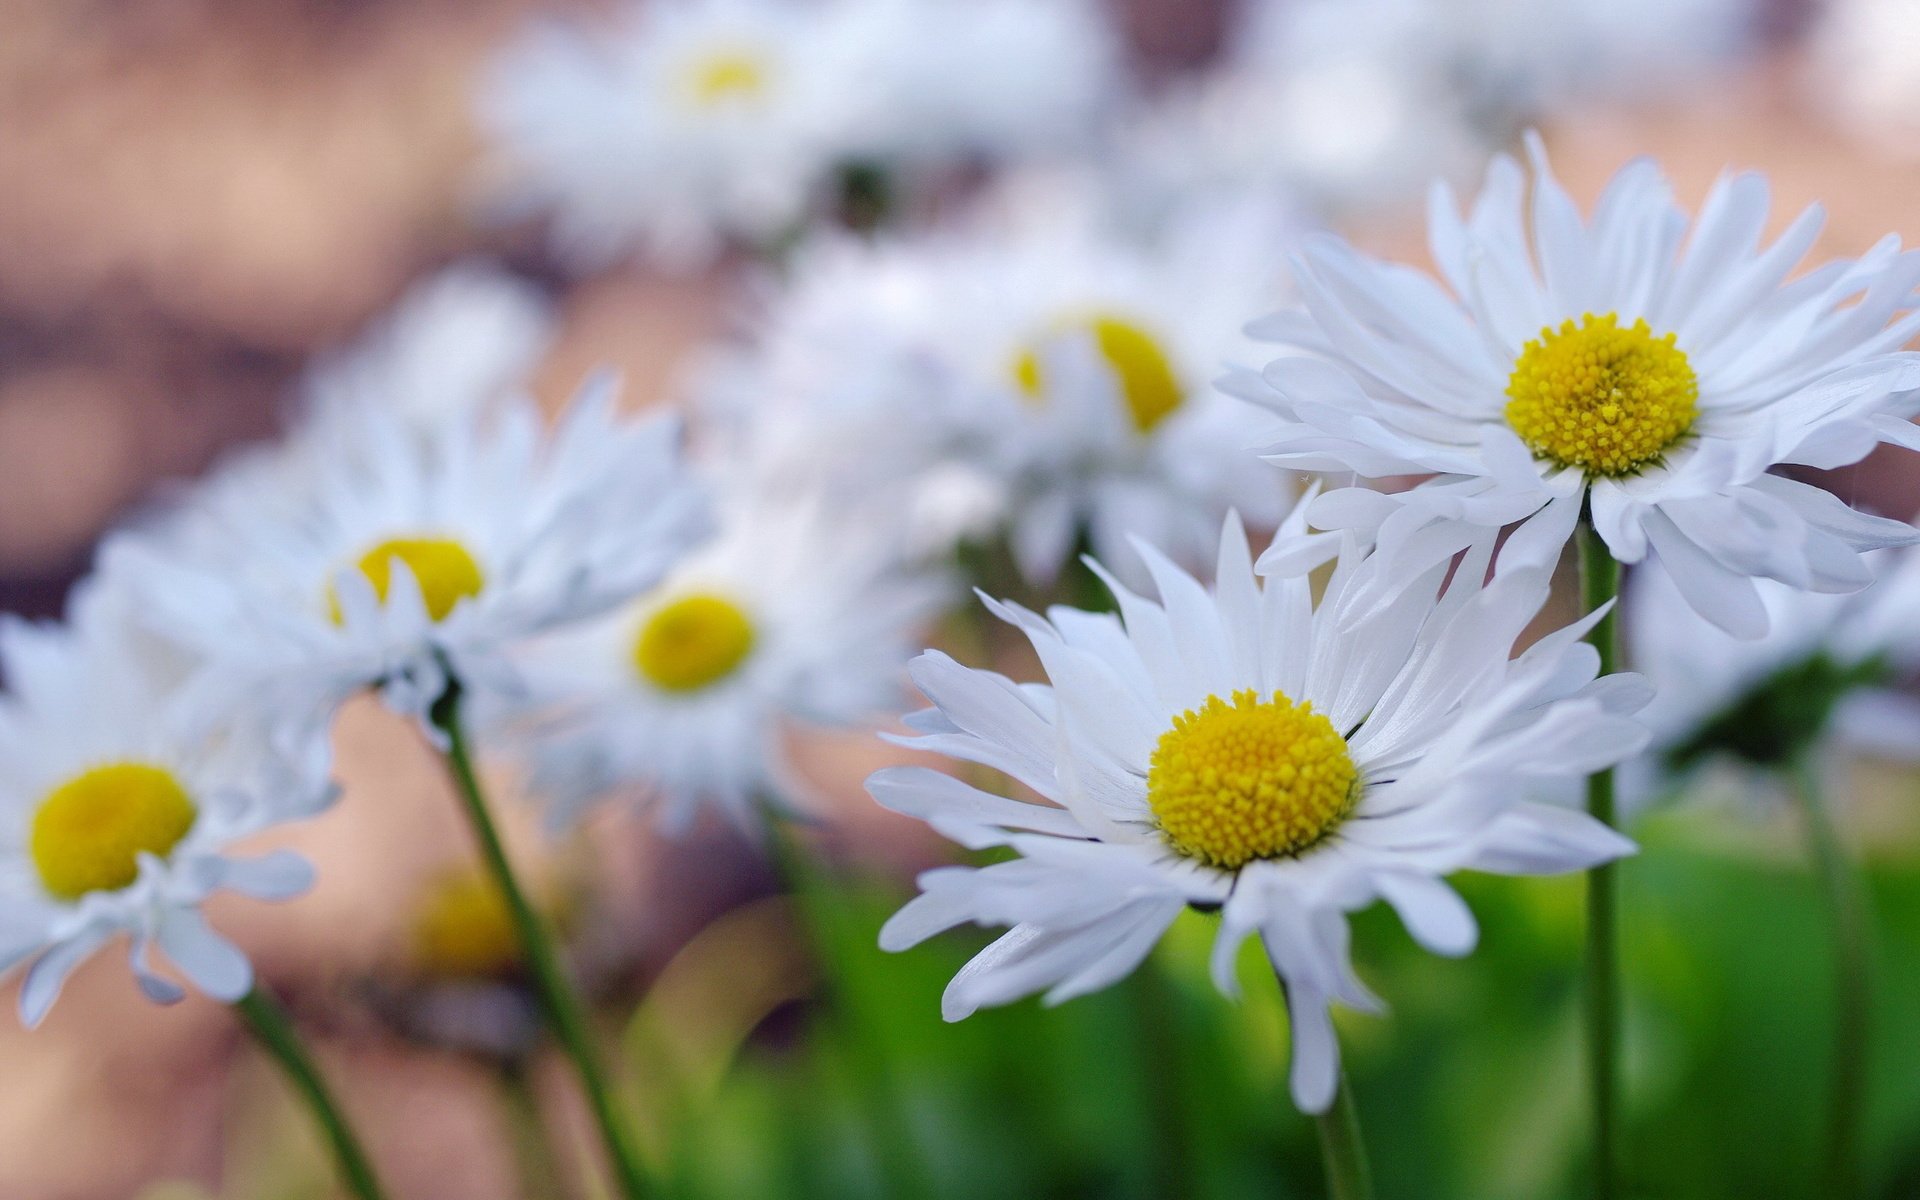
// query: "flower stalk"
[[1599, 584], [1840, 882], [565, 1014], [1341, 1147], [272, 1028]]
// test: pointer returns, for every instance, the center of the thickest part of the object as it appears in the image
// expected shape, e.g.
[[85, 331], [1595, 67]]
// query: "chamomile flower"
[[1620, 368], [120, 807], [1246, 749], [405, 558], [794, 615], [677, 128], [1038, 370], [1828, 667]]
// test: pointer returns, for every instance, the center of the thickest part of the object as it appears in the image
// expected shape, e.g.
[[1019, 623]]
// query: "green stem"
[[564, 1012], [274, 1031], [1156, 1012], [1599, 583], [902, 1169], [1345, 1154], [1847, 910]]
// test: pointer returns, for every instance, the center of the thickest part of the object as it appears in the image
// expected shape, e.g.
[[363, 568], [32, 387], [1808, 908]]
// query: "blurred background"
[[197, 196]]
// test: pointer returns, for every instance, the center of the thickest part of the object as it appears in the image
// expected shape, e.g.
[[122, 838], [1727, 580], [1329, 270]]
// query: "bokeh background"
[[196, 196]]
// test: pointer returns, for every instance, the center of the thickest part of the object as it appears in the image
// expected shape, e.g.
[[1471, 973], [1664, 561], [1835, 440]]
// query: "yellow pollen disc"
[[693, 643], [445, 571], [464, 930], [1605, 399], [1148, 385], [90, 831], [1256, 778], [727, 76]]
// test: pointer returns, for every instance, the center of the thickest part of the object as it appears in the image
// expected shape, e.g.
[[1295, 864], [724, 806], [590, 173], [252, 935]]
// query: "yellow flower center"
[[464, 930], [1256, 778], [693, 643], [444, 569], [89, 832], [1148, 385], [1605, 399], [726, 77]]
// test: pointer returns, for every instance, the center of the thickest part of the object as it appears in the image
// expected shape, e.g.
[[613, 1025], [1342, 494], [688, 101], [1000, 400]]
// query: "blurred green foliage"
[[1469, 1088]]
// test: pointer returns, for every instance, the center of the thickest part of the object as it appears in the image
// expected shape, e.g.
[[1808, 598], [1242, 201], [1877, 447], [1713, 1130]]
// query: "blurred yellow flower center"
[[464, 929], [445, 571], [90, 831], [726, 76], [1148, 385], [693, 643], [1605, 399], [1256, 778]]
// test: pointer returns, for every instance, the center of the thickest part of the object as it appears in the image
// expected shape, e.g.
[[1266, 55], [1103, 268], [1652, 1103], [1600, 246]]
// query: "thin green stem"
[[1852, 983], [1600, 583], [564, 1012], [902, 1169], [1341, 1148], [271, 1027], [1156, 1011]]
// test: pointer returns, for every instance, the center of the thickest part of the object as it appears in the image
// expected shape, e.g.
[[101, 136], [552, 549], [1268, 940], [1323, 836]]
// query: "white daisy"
[[1036, 367], [397, 556], [793, 615], [1827, 668], [674, 129], [456, 342], [1248, 750], [959, 80], [120, 809], [1618, 368]]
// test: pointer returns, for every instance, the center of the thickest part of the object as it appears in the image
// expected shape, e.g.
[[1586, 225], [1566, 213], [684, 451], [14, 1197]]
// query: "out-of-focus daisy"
[[795, 615], [1827, 667], [983, 80], [1620, 368], [456, 342], [1245, 749], [398, 557], [1038, 368], [1346, 105], [121, 807], [673, 128], [688, 125]]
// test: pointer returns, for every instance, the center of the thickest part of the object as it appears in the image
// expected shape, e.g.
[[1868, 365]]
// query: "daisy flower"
[[406, 558], [794, 615], [1248, 750], [1828, 666], [674, 129], [1059, 375], [121, 808], [1620, 369]]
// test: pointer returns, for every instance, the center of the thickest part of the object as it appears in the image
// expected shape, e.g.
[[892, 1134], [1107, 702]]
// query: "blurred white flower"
[[1624, 367], [1865, 69], [399, 556], [1035, 356], [1245, 749], [456, 342], [120, 805], [992, 80], [795, 614], [671, 129], [1828, 667], [687, 126]]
